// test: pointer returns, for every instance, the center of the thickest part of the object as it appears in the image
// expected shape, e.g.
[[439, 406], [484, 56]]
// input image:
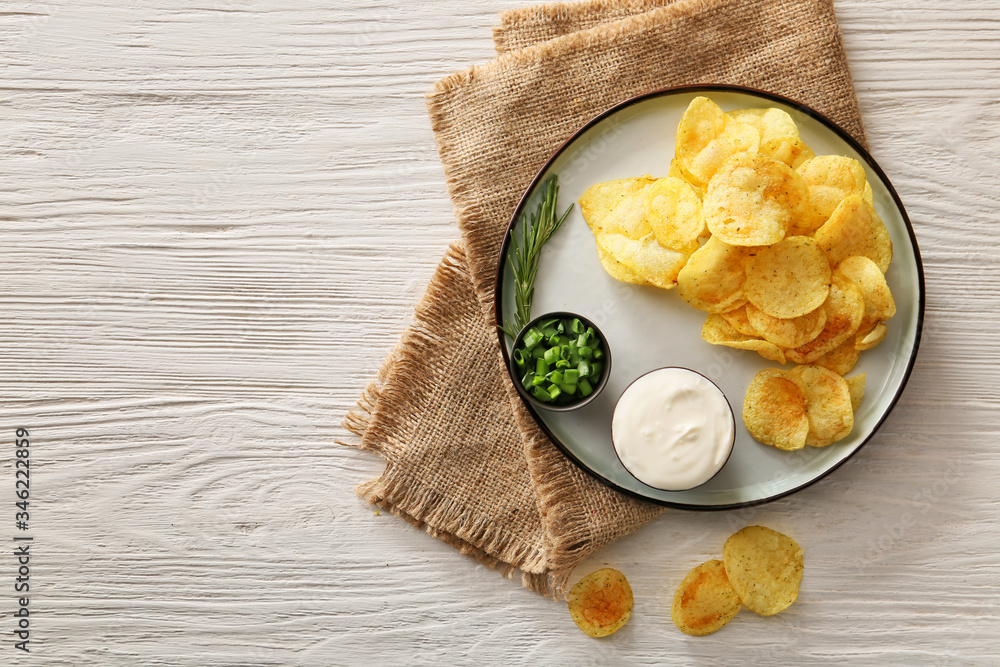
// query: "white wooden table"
[[217, 217]]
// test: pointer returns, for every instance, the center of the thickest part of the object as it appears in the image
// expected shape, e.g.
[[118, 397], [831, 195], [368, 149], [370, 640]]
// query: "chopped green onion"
[[563, 364], [527, 380], [551, 355], [555, 377], [585, 388], [554, 391], [571, 376], [585, 351], [567, 388], [541, 394], [532, 338], [541, 368]]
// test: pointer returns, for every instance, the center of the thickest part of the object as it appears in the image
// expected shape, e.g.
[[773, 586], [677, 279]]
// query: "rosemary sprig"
[[527, 250]]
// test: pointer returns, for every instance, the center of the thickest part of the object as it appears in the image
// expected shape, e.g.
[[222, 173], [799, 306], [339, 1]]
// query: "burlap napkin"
[[464, 460]]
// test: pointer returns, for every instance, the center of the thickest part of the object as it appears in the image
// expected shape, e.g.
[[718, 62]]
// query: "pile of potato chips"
[[781, 247], [761, 568]]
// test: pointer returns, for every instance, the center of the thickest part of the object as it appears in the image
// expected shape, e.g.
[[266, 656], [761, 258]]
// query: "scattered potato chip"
[[712, 279], [617, 270], [765, 568], [792, 332], [774, 410], [828, 404], [738, 319], [845, 308], [854, 228], [771, 123], [753, 199], [705, 601], [617, 207], [788, 279], [856, 385], [657, 265], [601, 602], [830, 178], [718, 331], [879, 304], [706, 138], [872, 338], [674, 213], [792, 152], [841, 359]]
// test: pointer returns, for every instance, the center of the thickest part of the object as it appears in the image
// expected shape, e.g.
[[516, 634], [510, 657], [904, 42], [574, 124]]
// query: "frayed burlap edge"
[[528, 26], [371, 422]]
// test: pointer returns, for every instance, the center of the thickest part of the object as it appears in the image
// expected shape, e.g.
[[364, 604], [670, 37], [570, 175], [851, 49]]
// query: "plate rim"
[[695, 88]]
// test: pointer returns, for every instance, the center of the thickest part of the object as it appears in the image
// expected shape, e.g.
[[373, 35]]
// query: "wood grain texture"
[[217, 218]]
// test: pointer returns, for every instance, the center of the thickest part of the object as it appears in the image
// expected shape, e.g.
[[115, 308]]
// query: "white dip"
[[673, 429]]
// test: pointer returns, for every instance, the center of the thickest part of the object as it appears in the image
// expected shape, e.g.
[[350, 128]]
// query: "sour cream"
[[673, 429]]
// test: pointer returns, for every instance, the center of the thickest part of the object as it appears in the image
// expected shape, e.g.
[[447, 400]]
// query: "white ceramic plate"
[[647, 328]]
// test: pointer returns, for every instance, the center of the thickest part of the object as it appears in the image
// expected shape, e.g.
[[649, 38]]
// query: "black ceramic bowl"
[[516, 374]]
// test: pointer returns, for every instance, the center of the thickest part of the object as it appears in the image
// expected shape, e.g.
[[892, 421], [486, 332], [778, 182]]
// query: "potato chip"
[[854, 228], [712, 279], [617, 270], [705, 601], [856, 385], [869, 339], [792, 152], [752, 200], [765, 568], [830, 178], [601, 602], [674, 213], [738, 319], [787, 279], [792, 332], [841, 359], [677, 171], [770, 123], [774, 410], [879, 304], [718, 331], [674, 170], [828, 404], [701, 123], [659, 266], [706, 139], [868, 196], [844, 310], [617, 207]]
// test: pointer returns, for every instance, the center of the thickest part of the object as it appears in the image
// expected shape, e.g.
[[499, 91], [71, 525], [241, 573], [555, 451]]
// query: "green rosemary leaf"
[[528, 237]]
